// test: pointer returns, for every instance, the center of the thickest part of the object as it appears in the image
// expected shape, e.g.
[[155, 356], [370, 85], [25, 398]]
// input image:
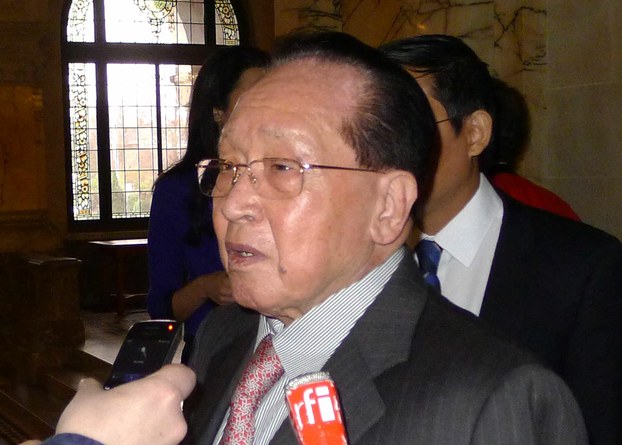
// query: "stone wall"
[[32, 175]]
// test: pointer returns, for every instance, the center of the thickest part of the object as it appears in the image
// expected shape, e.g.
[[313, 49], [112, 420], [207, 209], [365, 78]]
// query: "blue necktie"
[[429, 254]]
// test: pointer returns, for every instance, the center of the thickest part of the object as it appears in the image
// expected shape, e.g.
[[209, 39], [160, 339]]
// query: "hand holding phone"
[[144, 412], [147, 347]]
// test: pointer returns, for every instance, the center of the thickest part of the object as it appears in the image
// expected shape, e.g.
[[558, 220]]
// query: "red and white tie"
[[261, 373]]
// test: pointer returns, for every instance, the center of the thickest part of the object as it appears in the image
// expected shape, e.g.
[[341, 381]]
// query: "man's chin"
[[258, 304]]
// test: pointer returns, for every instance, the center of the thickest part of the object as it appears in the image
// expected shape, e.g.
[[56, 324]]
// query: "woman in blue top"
[[186, 277]]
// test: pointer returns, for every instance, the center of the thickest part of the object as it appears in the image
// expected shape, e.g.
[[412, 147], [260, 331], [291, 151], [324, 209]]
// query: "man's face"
[[285, 256], [457, 174]]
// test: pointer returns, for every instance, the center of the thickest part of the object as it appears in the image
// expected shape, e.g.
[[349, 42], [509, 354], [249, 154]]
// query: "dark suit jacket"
[[414, 369], [555, 286]]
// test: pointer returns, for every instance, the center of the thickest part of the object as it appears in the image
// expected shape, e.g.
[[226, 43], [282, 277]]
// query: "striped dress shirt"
[[306, 345]]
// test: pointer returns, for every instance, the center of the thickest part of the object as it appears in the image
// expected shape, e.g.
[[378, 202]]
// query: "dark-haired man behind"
[[320, 166], [551, 284]]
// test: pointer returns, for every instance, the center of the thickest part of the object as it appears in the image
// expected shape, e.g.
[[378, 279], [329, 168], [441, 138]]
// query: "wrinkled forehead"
[[301, 96], [309, 85]]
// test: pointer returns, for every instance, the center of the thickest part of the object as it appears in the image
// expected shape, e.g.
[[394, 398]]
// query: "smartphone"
[[147, 347]]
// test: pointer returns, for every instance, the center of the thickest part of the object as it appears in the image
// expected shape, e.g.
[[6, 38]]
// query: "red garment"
[[525, 191]]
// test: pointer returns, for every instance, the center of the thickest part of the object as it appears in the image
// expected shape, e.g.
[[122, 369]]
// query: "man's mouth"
[[241, 252]]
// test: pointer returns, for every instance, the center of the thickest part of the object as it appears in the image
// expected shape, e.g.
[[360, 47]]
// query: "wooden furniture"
[[118, 251], [39, 311]]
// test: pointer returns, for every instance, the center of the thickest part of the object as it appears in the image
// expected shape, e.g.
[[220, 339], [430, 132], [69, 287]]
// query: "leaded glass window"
[[83, 128], [129, 66], [226, 24]]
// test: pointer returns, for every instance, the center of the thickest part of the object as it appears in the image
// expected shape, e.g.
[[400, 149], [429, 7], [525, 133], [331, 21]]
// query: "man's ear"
[[479, 131], [397, 194]]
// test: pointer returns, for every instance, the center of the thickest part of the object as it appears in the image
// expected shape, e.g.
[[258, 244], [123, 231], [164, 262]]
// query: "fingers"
[[145, 411], [179, 377]]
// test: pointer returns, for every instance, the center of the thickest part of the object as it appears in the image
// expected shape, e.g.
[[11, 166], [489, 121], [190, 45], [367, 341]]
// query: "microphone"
[[314, 410]]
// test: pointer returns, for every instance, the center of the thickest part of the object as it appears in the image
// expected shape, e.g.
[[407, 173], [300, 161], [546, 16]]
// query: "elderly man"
[[552, 285], [319, 168]]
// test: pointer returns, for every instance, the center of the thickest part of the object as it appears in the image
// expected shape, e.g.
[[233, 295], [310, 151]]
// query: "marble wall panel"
[[371, 21], [585, 135], [587, 194], [581, 41], [22, 55], [22, 163], [519, 42], [616, 14], [378, 22], [533, 162], [507, 34], [524, 66], [585, 105], [291, 15], [23, 11]]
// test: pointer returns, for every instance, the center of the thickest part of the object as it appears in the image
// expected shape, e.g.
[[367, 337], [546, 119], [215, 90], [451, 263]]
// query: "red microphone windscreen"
[[314, 410]]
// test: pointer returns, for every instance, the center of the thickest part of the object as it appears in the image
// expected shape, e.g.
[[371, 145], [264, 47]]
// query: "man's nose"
[[242, 201]]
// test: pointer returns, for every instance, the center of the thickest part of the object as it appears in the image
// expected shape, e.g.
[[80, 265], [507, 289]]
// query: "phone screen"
[[147, 347]]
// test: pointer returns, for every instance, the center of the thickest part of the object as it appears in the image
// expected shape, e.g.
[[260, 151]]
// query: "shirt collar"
[[464, 234], [324, 327]]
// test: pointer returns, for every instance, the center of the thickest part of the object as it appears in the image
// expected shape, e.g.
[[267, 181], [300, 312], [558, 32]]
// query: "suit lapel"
[[504, 306], [360, 401], [218, 383], [379, 340]]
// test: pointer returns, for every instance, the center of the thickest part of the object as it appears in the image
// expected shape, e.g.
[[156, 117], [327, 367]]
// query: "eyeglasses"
[[273, 178]]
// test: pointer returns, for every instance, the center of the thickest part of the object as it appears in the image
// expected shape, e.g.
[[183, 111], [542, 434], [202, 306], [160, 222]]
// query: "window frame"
[[101, 54]]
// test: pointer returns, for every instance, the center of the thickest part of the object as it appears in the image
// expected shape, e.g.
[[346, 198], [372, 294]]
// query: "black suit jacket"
[[555, 287], [414, 369]]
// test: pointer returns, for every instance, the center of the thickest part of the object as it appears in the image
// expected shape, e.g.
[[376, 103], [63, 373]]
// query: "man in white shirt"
[[462, 213], [552, 285]]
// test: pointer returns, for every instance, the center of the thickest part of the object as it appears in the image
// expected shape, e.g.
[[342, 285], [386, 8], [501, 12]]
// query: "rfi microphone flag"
[[314, 410]]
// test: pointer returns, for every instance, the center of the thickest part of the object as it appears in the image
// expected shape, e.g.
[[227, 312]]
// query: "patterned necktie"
[[429, 254], [261, 373]]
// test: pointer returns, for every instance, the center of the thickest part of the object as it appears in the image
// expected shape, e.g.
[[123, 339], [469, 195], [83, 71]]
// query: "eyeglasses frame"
[[303, 168]]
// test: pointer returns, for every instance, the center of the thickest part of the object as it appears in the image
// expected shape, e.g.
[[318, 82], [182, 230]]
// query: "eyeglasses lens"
[[273, 178]]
